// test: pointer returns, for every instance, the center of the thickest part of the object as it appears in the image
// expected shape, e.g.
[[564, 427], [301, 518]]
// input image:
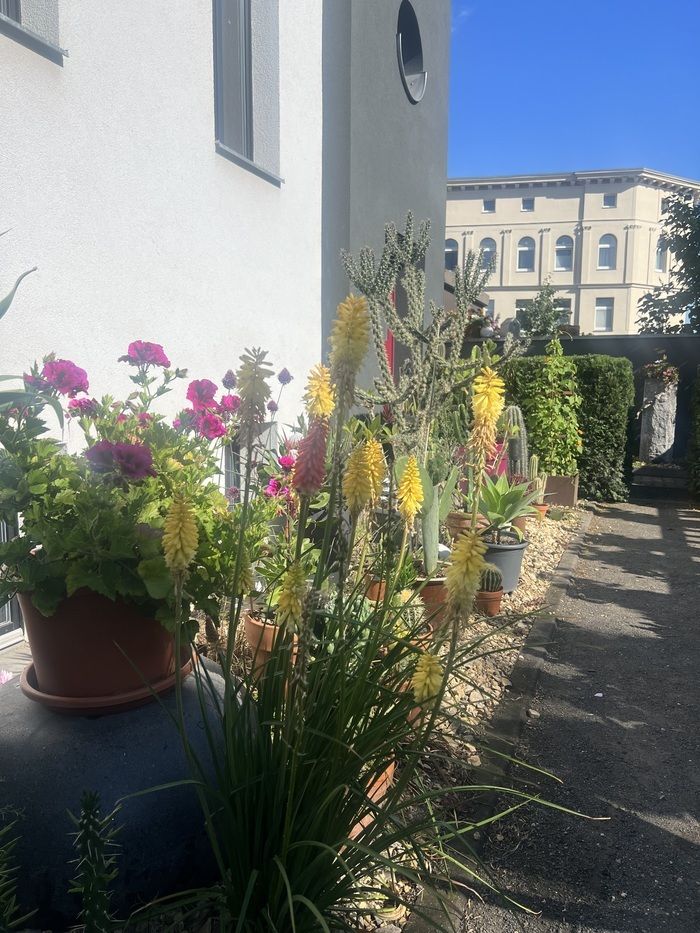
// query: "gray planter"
[[508, 557], [658, 421]]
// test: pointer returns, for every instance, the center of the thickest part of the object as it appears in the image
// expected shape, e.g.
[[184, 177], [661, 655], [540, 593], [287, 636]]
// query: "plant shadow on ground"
[[618, 697]]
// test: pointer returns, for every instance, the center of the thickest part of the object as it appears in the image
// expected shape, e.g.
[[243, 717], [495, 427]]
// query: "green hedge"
[[694, 441], [606, 384]]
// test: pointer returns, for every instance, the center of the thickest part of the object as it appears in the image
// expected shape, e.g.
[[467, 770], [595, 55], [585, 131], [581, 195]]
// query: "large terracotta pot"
[[434, 595], [459, 522], [94, 648], [376, 590], [261, 635]]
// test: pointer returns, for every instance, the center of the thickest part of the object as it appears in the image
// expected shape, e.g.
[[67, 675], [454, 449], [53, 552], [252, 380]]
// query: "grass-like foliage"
[[11, 916]]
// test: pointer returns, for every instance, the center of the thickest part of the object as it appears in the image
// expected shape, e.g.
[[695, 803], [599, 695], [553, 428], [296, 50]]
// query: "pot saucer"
[[100, 705]]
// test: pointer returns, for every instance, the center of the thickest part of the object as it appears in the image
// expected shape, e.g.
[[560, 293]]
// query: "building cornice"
[[595, 176]]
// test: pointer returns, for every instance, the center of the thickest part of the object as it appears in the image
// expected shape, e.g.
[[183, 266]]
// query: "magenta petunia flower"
[[286, 461], [201, 392], [229, 381], [229, 404], [143, 353], [82, 407], [210, 426], [65, 377], [284, 376], [133, 461]]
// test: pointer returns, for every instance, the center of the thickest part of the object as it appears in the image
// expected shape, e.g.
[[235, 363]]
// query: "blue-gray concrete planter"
[[508, 558]]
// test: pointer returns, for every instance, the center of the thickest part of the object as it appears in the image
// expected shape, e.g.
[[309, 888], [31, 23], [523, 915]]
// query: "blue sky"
[[560, 85]]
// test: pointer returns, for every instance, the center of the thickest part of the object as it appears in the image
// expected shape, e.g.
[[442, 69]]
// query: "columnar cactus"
[[537, 479], [491, 580], [517, 440]]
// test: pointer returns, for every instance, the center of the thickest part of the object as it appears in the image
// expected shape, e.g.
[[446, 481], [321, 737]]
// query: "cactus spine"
[[491, 580]]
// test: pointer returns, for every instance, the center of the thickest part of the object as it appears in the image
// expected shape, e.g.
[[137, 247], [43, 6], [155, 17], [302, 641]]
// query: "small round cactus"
[[491, 580]]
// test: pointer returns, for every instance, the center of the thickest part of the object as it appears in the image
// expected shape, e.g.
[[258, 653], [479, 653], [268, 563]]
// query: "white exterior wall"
[[110, 184]]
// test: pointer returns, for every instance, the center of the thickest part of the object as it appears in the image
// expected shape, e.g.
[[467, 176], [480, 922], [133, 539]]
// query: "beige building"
[[595, 235]]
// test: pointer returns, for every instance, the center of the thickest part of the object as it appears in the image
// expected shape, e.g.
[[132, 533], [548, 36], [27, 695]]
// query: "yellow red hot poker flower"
[[409, 493], [427, 678], [319, 397], [290, 602], [180, 536], [464, 571]]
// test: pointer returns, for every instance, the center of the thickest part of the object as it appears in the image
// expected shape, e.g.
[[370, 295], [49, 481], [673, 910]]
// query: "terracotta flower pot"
[[376, 792], [261, 635], [434, 595], [520, 523], [488, 603], [542, 508], [376, 590], [95, 652], [458, 523]]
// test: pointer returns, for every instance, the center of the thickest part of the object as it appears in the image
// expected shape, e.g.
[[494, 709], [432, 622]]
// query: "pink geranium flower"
[[144, 418], [201, 392], [286, 461], [142, 353], [65, 377], [210, 426], [273, 487], [229, 404]]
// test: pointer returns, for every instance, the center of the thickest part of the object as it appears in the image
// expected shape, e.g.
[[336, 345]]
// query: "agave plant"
[[502, 502]]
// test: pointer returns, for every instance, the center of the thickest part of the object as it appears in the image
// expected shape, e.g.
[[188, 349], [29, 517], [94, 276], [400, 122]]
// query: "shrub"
[[545, 389], [694, 442], [606, 387]]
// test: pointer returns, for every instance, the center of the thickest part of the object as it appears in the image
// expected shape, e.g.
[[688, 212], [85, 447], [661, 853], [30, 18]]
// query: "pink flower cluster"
[[132, 461], [82, 407], [207, 416]]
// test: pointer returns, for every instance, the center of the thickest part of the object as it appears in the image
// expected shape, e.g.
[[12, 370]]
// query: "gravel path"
[[618, 704]]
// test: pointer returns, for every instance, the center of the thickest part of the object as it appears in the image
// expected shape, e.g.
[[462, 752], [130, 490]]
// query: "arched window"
[[526, 254], [451, 255], [488, 252], [564, 254], [661, 255], [607, 252]]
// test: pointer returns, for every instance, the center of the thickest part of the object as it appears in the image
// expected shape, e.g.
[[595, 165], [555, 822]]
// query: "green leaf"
[[156, 577], [7, 300], [447, 493]]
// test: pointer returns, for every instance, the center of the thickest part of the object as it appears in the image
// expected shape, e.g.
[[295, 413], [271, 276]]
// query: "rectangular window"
[[527, 204], [232, 76], [11, 9], [489, 206], [609, 200], [521, 307], [603, 314], [563, 306]]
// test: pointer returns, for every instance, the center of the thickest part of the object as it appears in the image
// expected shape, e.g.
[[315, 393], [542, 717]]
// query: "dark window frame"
[[13, 29], [246, 150]]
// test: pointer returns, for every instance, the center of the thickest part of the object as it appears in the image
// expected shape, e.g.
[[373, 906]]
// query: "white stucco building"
[[188, 173], [596, 235]]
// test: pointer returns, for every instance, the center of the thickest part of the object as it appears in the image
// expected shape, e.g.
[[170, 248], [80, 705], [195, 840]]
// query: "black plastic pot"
[[508, 557]]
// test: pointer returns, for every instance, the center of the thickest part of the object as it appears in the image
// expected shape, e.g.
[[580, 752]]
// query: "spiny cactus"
[[96, 864], [491, 580], [517, 440], [10, 917], [431, 339]]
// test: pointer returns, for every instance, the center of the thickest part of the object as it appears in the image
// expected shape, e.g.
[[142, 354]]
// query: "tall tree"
[[674, 308]]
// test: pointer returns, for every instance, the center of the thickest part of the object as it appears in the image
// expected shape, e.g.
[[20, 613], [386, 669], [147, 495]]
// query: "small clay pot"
[[434, 595], [520, 523], [261, 635], [542, 508], [376, 792], [488, 603], [376, 590]]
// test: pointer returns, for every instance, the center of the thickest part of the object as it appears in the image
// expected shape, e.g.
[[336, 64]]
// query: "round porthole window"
[[409, 49]]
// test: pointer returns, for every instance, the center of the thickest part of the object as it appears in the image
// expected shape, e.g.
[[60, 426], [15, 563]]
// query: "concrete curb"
[[505, 729]]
